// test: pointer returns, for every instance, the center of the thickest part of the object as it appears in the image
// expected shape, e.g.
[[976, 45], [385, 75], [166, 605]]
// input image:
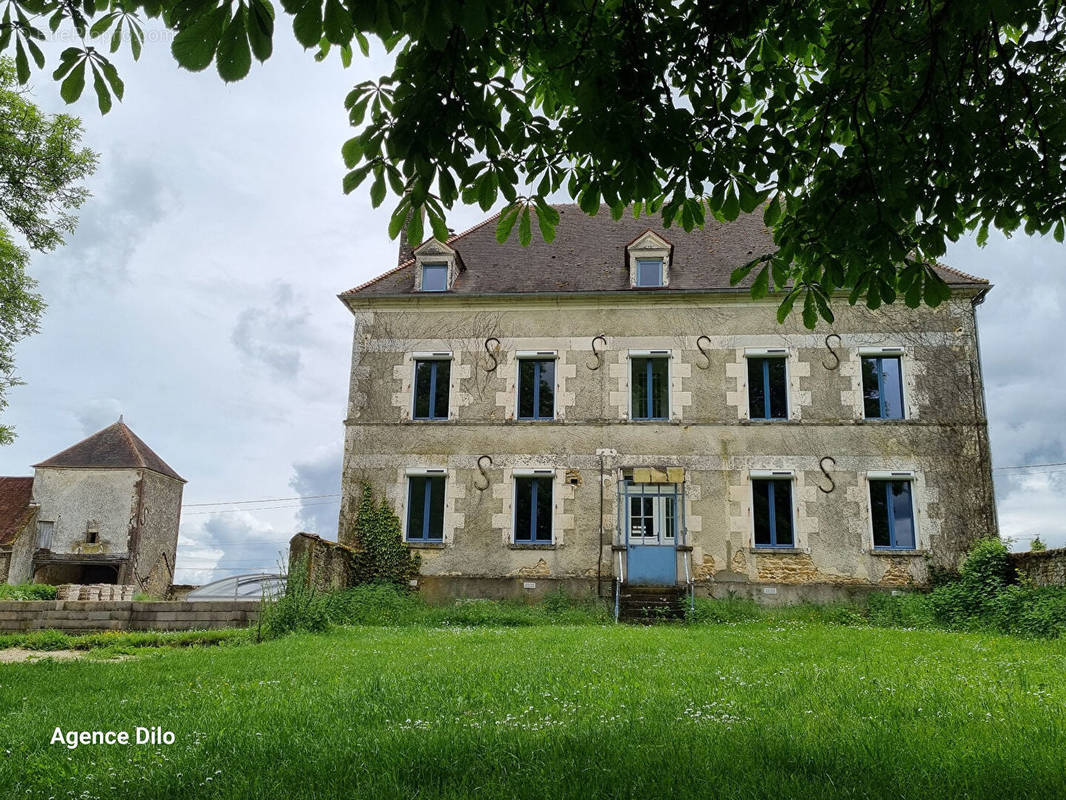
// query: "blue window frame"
[[431, 389], [772, 512], [533, 510], [767, 388], [882, 387], [434, 277], [536, 388], [892, 511], [425, 508], [649, 272], [650, 387]]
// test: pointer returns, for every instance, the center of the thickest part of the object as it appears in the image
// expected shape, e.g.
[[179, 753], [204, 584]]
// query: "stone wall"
[[1045, 568], [329, 565], [80, 616]]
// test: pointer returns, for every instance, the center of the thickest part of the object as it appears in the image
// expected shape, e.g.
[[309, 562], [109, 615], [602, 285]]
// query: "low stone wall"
[[1043, 568], [80, 616]]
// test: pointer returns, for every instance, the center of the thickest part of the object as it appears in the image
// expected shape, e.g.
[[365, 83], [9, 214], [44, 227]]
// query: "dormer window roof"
[[436, 267], [648, 257]]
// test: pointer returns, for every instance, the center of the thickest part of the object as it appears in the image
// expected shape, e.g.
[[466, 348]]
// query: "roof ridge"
[[410, 261], [962, 274], [122, 426]]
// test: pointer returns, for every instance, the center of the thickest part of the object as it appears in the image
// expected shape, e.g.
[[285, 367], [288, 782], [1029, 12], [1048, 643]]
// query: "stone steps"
[[650, 604]]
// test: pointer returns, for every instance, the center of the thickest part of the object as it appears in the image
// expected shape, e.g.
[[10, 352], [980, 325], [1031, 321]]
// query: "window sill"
[[888, 551], [429, 419], [772, 421], [426, 545], [881, 420], [533, 546], [784, 551]]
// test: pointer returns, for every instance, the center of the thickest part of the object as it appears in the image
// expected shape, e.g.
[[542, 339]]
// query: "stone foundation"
[[81, 616]]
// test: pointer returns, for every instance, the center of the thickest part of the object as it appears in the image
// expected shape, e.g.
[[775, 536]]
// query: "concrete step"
[[649, 604]]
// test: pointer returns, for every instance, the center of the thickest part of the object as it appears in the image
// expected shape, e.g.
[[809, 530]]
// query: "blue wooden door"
[[652, 534]]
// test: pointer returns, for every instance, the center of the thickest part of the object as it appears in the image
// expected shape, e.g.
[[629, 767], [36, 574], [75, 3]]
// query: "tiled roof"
[[15, 508], [115, 447], [589, 255]]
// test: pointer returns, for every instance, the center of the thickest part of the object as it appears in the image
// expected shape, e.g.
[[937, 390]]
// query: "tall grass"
[[746, 710]]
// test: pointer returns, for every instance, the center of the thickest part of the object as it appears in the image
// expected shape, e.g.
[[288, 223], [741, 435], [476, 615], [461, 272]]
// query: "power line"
[[262, 500], [261, 508], [1033, 466]]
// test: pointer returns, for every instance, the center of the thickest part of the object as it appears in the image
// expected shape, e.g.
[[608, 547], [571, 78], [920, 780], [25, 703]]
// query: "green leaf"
[[103, 24], [785, 308], [377, 191], [103, 96], [810, 315], [352, 152], [261, 29], [356, 177], [194, 46], [525, 228], [761, 286], [772, 213], [307, 24], [740, 273], [118, 88], [1060, 231], [234, 55], [399, 217], [414, 228], [547, 227], [72, 86], [731, 205], [505, 225], [337, 23], [486, 191], [22, 63]]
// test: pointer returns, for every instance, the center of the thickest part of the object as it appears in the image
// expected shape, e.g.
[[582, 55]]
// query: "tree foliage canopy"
[[871, 134], [41, 164]]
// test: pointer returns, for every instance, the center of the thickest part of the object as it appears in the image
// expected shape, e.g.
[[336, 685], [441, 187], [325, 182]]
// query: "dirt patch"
[[14, 655]]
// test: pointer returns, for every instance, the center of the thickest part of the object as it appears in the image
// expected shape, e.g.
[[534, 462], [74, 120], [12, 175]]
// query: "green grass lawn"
[[763, 709]]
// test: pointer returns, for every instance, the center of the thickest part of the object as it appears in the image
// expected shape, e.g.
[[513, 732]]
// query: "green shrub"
[[28, 591], [1030, 611], [1037, 545], [987, 568], [301, 608], [383, 558], [911, 610]]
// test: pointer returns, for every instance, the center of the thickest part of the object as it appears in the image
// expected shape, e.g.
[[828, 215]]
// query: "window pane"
[[783, 513], [546, 409], [434, 277], [671, 525], [526, 370], [649, 272], [756, 389], [761, 511], [436, 508], [879, 512], [778, 388], [440, 402], [892, 388], [423, 381], [523, 514], [871, 393], [638, 381], [902, 514], [416, 507], [660, 387], [544, 510]]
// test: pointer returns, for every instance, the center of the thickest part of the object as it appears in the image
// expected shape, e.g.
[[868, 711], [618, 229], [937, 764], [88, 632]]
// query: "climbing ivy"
[[381, 556]]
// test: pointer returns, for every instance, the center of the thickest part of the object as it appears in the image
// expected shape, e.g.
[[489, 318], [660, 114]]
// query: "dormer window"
[[648, 257], [649, 272], [436, 267], [434, 277]]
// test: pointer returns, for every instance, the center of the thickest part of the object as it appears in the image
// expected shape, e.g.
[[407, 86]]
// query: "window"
[[431, 389], [434, 277], [882, 387], [772, 511], [536, 388], [650, 387], [425, 508], [92, 536], [44, 534], [649, 272], [767, 388], [892, 514], [533, 510]]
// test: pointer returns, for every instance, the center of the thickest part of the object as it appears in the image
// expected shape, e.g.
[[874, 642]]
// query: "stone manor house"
[[608, 406]]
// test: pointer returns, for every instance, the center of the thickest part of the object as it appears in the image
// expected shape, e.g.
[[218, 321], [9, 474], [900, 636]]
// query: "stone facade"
[[825, 442], [1041, 568]]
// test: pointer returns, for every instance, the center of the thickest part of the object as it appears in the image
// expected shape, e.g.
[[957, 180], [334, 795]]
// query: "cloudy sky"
[[198, 298]]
